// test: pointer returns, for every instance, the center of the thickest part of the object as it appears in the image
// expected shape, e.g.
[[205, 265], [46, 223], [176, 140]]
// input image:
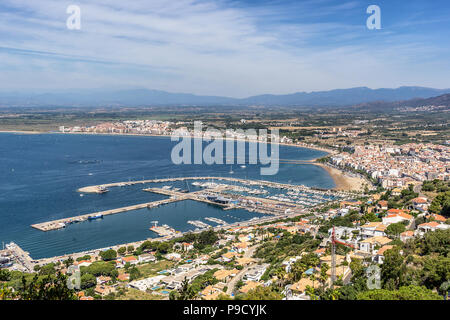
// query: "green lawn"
[[151, 269]]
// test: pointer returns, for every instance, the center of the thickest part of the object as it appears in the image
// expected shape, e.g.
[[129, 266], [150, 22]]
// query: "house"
[[187, 246], [379, 257], [300, 286], [438, 218], [420, 204], [147, 283], [123, 277], [370, 244], [104, 290], [255, 273], [131, 260], [404, 236], [396, 192], [245, 261], [82, 263], [212, 292], [225, 275], [372, 229], [327, 260], [396, 216], [227, 257], [240, 247], [382, 205], [88, 298], [146, 257], [173, 256], [103, 279], [320, 251], [288, 263], [342, 232], [430, 226], [249, 285], [343, 212]]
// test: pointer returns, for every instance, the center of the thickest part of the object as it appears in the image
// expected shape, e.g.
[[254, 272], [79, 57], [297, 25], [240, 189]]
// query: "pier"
[[61, 223], [277, 185]]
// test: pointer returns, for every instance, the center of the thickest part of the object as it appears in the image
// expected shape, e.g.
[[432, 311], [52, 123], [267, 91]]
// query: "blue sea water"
[[39, 176]]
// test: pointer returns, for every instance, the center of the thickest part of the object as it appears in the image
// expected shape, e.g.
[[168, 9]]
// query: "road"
[[232, 283]]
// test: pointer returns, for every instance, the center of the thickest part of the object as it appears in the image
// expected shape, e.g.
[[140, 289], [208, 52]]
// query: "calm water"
[[39, 176]]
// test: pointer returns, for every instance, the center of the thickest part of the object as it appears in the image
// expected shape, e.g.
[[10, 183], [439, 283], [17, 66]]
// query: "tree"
[[88, 280], [394, 229], [122, 251], [6, 293], [323, 273], [262, 293], [185, 292], [223, 296], [5, 275], [393, 269], [134, 273], [130, 249], [444, 288], [404, 293], [68, 262], [48, 288], [48, 269], [108, 255]]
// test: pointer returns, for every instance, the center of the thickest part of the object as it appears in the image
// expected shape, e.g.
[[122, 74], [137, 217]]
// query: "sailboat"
[[231, 170]]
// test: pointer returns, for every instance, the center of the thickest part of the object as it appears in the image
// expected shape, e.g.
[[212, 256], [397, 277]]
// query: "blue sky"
[[224, 47]]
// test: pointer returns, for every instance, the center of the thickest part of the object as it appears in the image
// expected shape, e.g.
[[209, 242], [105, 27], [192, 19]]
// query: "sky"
[[223, 47]]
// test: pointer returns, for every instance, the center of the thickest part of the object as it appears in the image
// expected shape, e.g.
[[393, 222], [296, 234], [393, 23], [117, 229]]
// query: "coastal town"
[[319, 252]]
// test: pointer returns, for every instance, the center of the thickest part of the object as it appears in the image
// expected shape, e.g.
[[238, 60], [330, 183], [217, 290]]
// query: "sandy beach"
[[343, 181]]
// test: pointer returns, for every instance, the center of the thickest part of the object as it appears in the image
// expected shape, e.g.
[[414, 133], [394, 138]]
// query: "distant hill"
[[145, 97], [442, 100]]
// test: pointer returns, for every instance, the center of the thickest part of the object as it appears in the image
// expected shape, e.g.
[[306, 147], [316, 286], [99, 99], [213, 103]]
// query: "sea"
[[40, 175]]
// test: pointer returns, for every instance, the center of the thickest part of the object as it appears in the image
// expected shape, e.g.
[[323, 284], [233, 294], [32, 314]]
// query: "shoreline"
[[342, 181]]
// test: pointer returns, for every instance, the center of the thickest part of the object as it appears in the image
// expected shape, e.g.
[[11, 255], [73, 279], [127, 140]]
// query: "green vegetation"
[[404, 293], [441, 204]]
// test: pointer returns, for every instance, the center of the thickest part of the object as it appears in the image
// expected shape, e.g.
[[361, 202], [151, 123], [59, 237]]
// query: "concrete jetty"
[[277, 185], [61, 223]]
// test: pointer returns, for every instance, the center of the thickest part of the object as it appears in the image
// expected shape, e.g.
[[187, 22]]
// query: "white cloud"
[[203, 47]]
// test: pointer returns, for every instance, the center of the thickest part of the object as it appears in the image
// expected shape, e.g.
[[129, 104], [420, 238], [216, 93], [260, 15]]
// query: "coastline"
[[341, 179]]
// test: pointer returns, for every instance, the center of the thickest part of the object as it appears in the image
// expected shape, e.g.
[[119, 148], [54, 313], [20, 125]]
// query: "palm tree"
[[186, 292], [280, 273]]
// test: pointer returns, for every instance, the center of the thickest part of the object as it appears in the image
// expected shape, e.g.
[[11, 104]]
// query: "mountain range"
[[146, 97]]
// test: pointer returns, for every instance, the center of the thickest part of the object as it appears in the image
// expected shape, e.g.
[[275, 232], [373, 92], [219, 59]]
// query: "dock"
[[62, 223]]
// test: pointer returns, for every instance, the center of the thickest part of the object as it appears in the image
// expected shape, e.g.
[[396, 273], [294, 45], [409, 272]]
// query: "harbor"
[[227, 196]]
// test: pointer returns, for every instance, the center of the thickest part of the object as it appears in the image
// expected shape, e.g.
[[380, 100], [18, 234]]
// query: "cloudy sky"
[[224, 47]]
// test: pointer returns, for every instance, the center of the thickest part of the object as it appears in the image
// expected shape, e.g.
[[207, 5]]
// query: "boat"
[[243, 166], [98, 216]]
